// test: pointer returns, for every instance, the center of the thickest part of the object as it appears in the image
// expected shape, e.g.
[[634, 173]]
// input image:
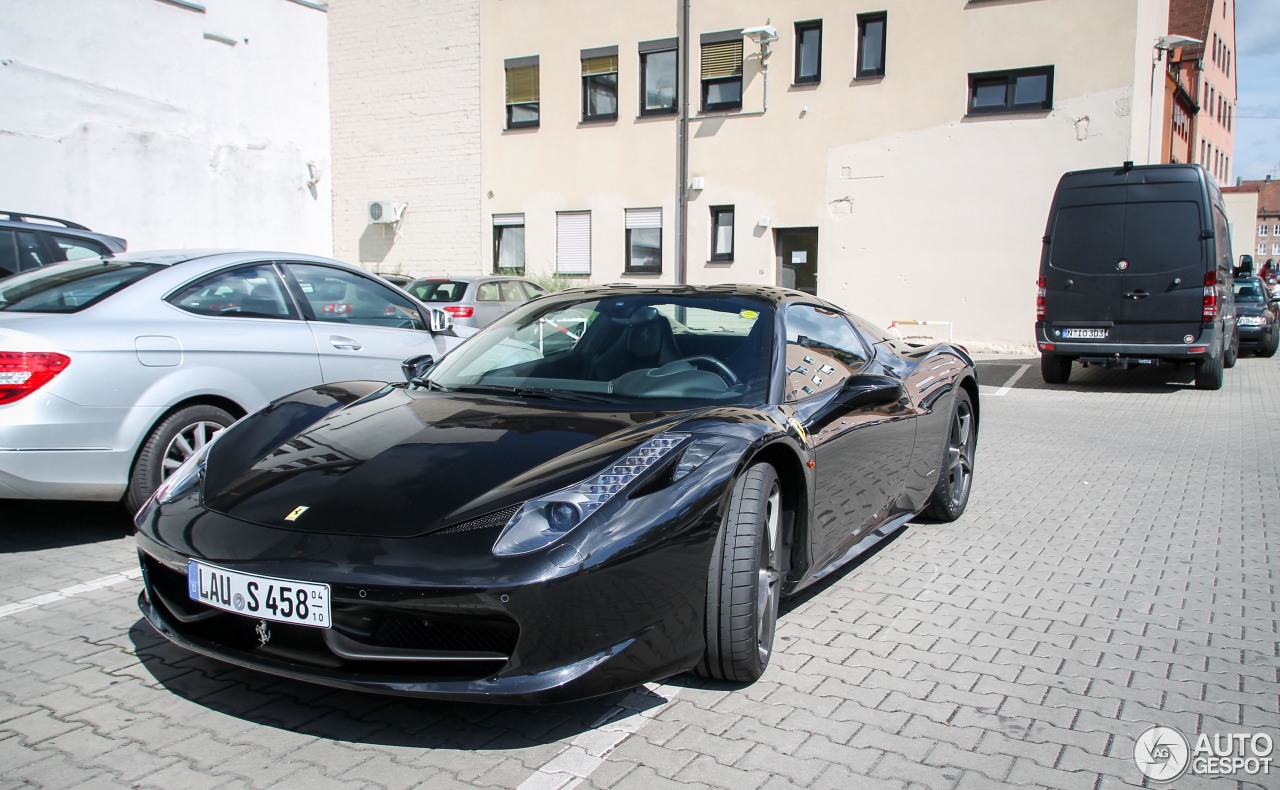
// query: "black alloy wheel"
[[955, 478]]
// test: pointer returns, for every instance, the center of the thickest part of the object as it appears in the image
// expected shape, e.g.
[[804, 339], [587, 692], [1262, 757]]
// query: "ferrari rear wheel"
[[173, 441], [744, 581], [955, 478]]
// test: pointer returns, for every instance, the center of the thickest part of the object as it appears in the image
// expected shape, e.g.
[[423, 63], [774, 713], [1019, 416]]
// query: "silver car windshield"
[[69, 287], [713, 349]]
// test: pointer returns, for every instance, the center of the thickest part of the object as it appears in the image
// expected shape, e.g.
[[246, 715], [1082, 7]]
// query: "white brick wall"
[[405, 99]]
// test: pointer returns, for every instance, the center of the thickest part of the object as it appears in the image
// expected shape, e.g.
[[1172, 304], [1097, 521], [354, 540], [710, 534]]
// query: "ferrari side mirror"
[[415, 368]]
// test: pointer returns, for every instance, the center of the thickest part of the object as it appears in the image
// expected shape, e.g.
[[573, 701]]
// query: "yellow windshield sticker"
[[749, 314]]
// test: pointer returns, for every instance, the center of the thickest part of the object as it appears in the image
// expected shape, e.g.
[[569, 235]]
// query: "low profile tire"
[[744, 581], [1055, 369], [171, 442], [951, 493], [1209, 373], [1232, 353]]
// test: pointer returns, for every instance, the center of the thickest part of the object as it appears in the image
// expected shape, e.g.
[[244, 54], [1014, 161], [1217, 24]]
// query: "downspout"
[[682, 152]]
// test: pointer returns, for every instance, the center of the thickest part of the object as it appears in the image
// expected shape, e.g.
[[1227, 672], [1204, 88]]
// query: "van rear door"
[[1083, 285], [1163, 282]]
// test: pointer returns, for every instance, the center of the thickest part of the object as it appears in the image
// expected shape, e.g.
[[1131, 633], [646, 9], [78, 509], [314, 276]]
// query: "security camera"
[[763, 34]]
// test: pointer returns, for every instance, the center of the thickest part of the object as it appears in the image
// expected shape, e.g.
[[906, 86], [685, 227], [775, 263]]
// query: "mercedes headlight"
[[542, 521]]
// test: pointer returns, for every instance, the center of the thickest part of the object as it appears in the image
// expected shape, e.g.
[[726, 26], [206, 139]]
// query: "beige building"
[[895, 156]]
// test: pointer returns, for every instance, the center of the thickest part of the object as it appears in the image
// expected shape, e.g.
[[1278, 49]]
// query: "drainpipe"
[[682, 152]]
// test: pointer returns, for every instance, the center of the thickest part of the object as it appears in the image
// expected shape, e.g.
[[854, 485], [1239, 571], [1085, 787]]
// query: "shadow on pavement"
[[376, 719], [1154, 379], [36, 525]]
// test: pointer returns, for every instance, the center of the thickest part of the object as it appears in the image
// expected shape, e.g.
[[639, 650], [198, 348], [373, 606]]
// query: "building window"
[[871, 40], [1023, 90], [508, 243], [522, 92], [1262, 248], [722, 71], [600, 84], [1262, 229], [644, 241], [659, 89], [1275, 248], [809, 51], [722, 233], [573, 242]]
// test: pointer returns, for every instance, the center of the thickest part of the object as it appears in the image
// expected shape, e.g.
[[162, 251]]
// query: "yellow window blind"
[[606, 64], [522, 84], [722, 60]]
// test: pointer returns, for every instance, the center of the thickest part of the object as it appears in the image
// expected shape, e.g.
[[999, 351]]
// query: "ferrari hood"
[[398, 463]]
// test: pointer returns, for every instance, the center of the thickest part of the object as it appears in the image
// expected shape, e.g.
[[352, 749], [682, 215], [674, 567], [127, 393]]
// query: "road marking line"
[[1012, 380], [132, 574], [588, 751]]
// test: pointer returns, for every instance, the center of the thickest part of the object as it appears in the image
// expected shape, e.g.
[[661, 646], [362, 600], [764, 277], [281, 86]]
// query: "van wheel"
[[1055, 369], [1232, 353], [1209, 373]]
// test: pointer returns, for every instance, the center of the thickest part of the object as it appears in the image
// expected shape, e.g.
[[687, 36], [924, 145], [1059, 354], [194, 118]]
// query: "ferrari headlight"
[[187, 477], [541, 521]]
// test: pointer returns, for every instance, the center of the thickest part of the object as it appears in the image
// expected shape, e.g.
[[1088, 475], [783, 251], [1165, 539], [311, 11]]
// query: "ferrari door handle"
[[1137, 295], [343, 343]]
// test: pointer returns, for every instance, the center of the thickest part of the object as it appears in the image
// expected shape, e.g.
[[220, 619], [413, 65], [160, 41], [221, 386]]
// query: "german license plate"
[[277, 600], [1084, 333]]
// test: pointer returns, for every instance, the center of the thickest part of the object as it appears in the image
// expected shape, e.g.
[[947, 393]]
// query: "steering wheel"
[[717, 367]]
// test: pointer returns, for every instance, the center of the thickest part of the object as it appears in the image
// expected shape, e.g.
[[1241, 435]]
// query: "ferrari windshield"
[[704, 348]]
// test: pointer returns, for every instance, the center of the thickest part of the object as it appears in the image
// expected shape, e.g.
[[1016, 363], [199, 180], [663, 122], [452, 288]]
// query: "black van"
[[1135, 270]]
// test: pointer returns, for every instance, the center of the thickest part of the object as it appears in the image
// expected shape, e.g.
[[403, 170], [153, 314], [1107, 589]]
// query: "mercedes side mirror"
[[439, 320]]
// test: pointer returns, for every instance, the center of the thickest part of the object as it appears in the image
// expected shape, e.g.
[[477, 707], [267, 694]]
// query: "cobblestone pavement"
[[1114, 571]]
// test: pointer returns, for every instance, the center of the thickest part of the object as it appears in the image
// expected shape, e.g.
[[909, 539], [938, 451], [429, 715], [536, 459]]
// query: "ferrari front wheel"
[[744, 581]]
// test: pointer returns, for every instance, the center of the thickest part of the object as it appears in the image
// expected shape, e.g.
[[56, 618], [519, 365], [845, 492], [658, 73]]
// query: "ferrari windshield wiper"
[[546, 392], [536, 392]]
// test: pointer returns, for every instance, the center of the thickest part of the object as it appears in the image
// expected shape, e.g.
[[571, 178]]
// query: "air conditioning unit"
[[386, 210]]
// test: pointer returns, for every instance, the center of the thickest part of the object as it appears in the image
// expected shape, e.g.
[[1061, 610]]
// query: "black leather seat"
[[646, 342]]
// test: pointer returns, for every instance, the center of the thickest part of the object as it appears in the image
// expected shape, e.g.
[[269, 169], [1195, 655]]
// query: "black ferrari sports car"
[[608, 486]]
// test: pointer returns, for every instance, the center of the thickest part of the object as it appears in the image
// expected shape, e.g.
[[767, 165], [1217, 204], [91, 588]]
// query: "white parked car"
[[115, 370]]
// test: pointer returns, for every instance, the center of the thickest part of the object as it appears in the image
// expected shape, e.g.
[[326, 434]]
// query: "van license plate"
[[1079, 333]]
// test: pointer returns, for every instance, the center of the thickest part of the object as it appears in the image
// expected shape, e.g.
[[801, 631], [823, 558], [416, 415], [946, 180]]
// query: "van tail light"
[[24, 372], [458, 311], [1210, 311], [1040, 289]]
